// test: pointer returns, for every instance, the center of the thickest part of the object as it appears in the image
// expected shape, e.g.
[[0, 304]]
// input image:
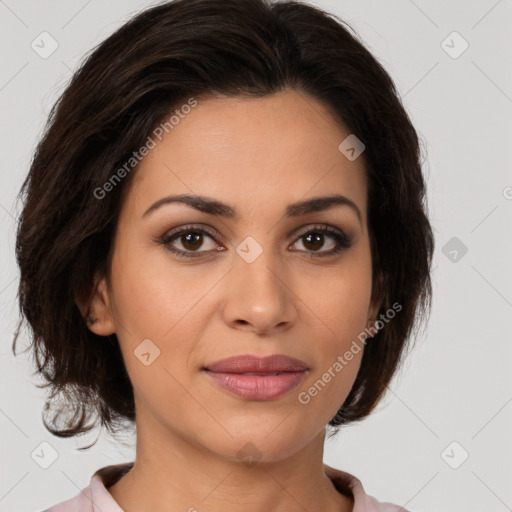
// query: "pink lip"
[[254, 378], [255, 364]]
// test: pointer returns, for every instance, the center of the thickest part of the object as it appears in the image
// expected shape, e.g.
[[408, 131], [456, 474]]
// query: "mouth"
[[276, 363], [256, 378]]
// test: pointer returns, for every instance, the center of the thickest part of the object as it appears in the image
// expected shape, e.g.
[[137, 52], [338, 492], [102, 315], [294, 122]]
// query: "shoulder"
[[95, 496], [82, 502], [351, 485]]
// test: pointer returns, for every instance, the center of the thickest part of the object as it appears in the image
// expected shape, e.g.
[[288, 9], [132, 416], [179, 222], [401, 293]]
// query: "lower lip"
[[257, 387]]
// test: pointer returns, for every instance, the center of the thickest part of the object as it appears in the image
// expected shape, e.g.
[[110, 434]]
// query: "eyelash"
[[343, 242]]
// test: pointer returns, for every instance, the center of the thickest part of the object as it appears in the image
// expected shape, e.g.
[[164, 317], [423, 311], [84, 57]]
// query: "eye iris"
[[192, 238], [315, 239]]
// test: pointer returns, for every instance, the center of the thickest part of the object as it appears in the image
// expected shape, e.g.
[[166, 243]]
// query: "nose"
[[259, 297]]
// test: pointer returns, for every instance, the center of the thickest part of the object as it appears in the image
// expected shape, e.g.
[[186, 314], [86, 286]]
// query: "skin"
[[257, 155]]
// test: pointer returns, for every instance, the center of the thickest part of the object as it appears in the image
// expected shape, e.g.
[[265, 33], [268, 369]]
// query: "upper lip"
[[254, 364]]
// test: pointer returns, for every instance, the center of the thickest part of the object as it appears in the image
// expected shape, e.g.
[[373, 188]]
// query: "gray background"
[[456, 386]]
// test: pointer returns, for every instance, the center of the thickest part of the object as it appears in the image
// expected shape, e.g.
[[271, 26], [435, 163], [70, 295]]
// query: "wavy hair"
[[120, 93]]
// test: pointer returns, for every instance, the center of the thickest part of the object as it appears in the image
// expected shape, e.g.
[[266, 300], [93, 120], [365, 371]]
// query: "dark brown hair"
[[122, 91]]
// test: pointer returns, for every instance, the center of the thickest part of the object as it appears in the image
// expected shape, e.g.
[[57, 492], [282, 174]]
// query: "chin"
[[256, 443]]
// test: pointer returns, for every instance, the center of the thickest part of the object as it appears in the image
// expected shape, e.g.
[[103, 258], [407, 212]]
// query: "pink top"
[[96, 498]]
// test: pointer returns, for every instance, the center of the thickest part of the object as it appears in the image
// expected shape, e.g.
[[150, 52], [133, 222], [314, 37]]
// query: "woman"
[[224, 243]]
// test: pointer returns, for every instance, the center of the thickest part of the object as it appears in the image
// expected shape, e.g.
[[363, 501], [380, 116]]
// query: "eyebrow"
[[214, 207]]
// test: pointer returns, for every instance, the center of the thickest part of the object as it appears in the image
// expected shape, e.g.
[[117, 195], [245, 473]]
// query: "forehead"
[[261, 151]]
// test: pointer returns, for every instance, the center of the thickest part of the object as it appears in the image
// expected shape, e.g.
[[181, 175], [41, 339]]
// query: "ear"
[[97, 312], [377, 299]]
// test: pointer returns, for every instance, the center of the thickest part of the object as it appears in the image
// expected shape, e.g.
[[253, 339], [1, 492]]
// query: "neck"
[[172, 473]]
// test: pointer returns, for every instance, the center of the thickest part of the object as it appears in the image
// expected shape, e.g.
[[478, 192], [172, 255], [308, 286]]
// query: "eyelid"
[[209, 230], [320, 227], [213, 233], [342, 241]]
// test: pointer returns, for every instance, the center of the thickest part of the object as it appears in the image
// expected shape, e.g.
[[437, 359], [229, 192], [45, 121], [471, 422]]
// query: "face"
[[254, 277]]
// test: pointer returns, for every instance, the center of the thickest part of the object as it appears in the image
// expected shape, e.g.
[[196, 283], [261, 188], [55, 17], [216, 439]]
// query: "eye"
[[314, 239], [187, 241], [193, 241]]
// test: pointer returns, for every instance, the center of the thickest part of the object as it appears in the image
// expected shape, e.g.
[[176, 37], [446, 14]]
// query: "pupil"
[[317, 238], [314, 241], [192, 239]]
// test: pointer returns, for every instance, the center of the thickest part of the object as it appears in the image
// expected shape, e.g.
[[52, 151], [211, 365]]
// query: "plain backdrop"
[[441, 439]]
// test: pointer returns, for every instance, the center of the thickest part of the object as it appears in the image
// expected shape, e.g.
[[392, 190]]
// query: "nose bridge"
[[257, 293], [259, 272]]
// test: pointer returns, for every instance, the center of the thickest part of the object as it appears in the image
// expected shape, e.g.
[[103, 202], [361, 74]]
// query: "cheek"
[[151, 294], [154, 300], [340, 303], [340, 298]]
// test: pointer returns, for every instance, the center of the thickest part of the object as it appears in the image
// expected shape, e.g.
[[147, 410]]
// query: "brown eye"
[[192, 241], [315, 240], [189, 242]]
